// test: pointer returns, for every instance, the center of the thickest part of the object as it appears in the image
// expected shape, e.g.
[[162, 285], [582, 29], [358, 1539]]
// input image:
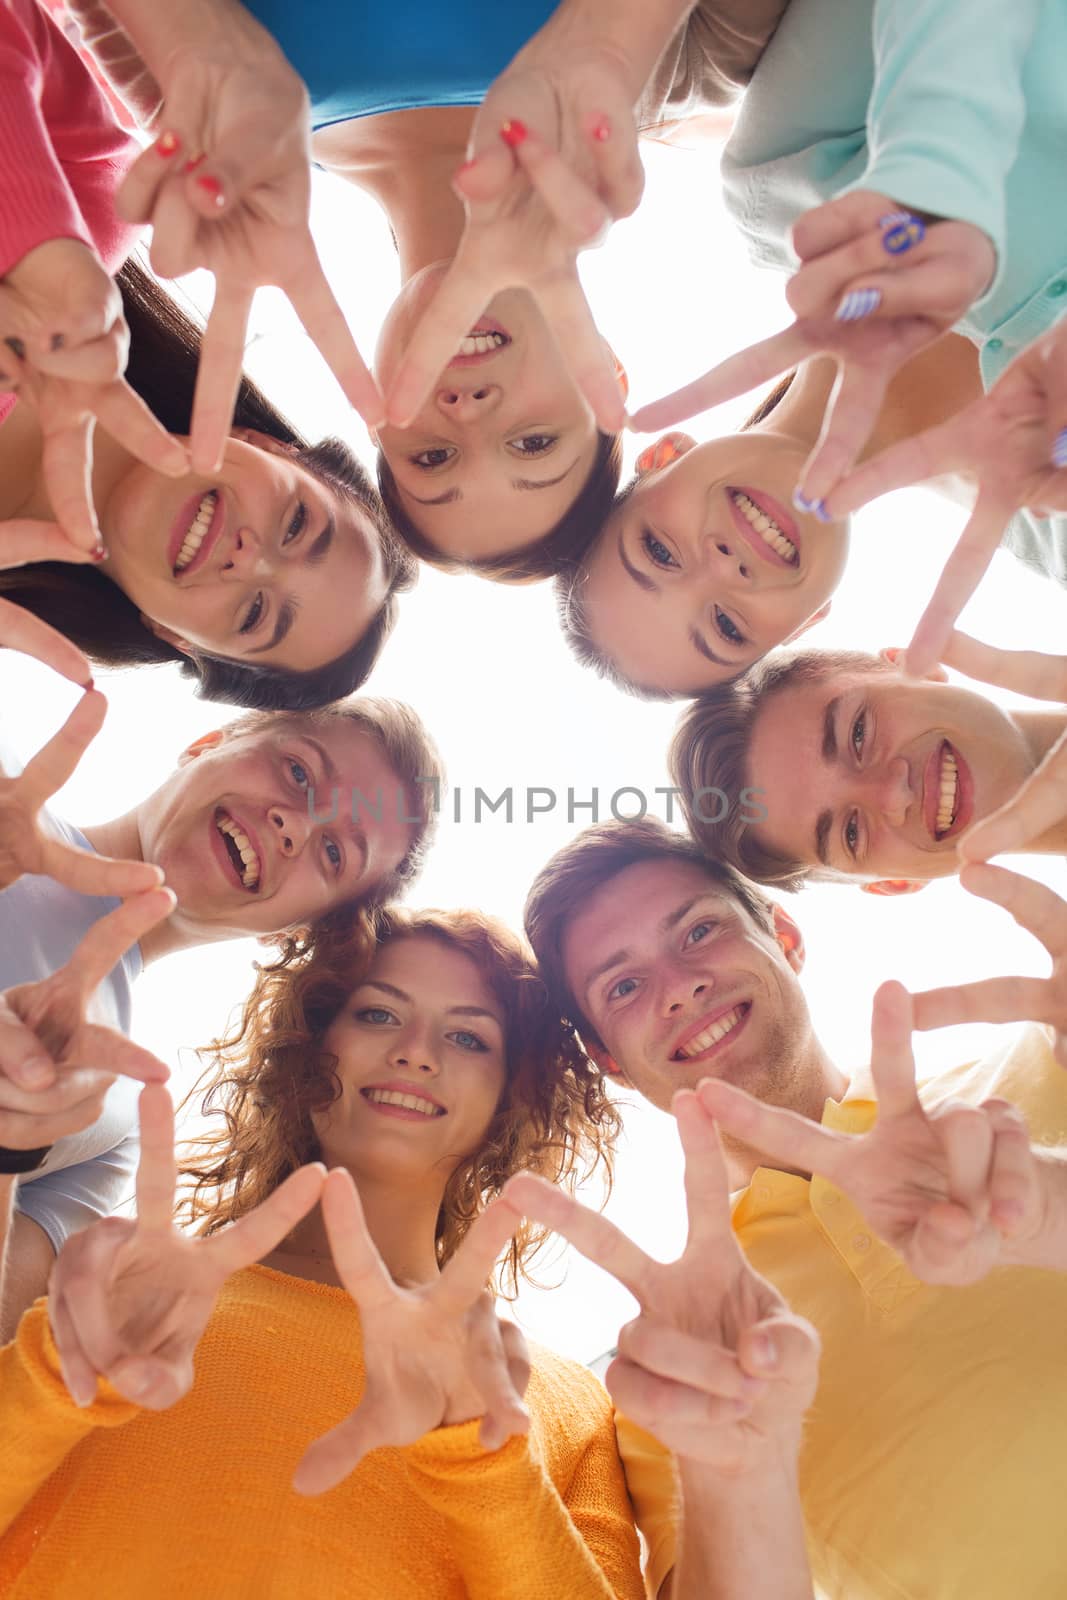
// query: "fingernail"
[[514, 132], [36, 1073], [89, 686], [100, 552], [168, 144], [213, 188], [467, 165], [858, 303], [602, 130], [194, 162], [814, 508], [1059, 449], [765, 1350]]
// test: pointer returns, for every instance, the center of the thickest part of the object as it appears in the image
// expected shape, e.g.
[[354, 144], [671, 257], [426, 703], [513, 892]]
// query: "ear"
[[893, 653], [206, 741], [789, 936], [894, 886], [816, 616], [620, 373], [607, 1063], [264, 441], [672, 447], [168, 635]]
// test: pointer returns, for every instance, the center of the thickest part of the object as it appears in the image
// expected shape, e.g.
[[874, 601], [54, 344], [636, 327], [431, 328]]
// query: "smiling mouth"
[[948, 798], [765, 527], [407, 1102], [240, 849], [484, 341], [713, 1033], [196, 532]]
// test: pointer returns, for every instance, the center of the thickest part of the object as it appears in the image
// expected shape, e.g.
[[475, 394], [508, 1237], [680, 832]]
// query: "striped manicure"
[[1059, 449], [858, 303]]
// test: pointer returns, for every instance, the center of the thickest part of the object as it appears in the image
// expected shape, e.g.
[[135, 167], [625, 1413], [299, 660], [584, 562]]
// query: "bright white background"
[[487, 670]]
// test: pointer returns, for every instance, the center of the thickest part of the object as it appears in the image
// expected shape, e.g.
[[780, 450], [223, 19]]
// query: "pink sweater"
[[62, 154]]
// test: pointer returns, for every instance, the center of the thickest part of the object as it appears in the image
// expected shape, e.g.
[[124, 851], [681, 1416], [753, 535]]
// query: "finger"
[[927, 455], [943, 1246], [707, 1187], [892, 1059], [23, 541], [967, 1136], [664, 1407], [699, 1363], [136, 195], [469, 1270], [819, 287], [963, 572], [584, 352], [615, 150], [517, 1354], [175, 230], [221, 355], [782, 1347], [315, 304], [991, 1000], [66, 464], [254, 1235], [72, 1091], [57, 762], [21, 630], [359, 1266], [771, 1130], [594, 1236], [1042, 677], [97, 363], [1035, 808], [108, 939], [19, 1131], [828, 227], [129, 420], [1014, 1180], [577, 209], [116, 1054], [24, 1061], [460, 300], [150, 1381], [338, 1453], [77, 1370], [87, 873], [487, 1367], [157, 1168], [849, 419], [736, 375], [1035, 906]]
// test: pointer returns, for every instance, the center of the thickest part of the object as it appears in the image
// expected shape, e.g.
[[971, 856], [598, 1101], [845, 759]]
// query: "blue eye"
[[728, 629], [333, 855], [852, 835], [472, 1043], [657, 551], [296, 526], [375, 1015], [254, 613], [619, 991], [301, 776], [700, 932], [858, 733]]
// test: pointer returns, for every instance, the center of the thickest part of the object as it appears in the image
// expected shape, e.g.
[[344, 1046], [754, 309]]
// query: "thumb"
[[338, 1453], [487, 175], [781, 1346]]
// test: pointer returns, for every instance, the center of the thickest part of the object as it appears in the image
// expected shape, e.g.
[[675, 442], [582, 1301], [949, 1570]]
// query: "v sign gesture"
[[434, 1355], [129, 1299]]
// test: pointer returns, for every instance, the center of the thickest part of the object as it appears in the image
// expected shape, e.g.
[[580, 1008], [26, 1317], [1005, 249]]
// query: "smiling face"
[[505, 443], [421, 1059], [682, 984], [261, 563], [249, 836], [875, 775], [702, 568]]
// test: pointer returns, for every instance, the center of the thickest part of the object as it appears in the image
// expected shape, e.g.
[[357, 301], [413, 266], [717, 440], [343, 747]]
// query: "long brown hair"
[[90, 609], [270, 1072]]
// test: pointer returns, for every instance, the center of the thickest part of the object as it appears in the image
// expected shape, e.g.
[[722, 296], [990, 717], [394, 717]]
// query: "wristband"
[[22, 1160]]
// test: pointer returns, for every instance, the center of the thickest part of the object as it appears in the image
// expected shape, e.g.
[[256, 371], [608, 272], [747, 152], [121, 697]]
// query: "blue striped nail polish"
[[1059, 449], [812, 508], [801, 502], [858, 303]]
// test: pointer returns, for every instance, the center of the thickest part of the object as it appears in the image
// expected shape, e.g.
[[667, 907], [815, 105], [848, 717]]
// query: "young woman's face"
[[261, 563], [505, 443], [875, 775], [704, 567], [420, 1049]]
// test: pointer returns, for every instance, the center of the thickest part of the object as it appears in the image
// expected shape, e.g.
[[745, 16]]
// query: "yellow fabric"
[[933, 1458], [118, 1502]]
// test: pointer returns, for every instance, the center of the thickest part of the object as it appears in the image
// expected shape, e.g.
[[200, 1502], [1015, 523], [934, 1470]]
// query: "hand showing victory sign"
[[26, 847], [716, 1365], [434, 1355], [944, 1187], [129, 1299]]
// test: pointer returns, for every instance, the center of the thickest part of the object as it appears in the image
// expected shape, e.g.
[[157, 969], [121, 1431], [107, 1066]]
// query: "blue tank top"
[[359, 59]]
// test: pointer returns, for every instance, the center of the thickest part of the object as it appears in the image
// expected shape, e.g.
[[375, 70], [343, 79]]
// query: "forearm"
[[742, 1538], [635, 32]]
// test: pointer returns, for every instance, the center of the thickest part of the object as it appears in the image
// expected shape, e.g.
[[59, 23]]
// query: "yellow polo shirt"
[[934, 1463]]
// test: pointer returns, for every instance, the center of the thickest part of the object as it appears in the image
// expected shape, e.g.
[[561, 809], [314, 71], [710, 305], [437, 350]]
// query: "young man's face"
[[682, 984], [246, 848], [875, 775]]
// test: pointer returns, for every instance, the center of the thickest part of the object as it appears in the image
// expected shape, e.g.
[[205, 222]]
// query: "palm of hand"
[[1004, 437], [412, 1353], [158, 1291]]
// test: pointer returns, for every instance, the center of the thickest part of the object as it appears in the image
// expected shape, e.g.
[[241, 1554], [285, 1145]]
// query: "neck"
[[23, 492], [406, 160], [401, 1221], [814, 1080]]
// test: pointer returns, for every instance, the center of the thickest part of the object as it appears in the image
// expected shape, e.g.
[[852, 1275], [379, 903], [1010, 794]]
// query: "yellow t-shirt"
[[933, 1462], [120, 1502]]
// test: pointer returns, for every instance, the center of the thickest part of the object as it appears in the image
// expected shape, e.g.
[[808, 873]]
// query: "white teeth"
[[946, 800], [411, 1102], [476, 344], [197, 529], [711, 1035], [243, 845], [769, 531]]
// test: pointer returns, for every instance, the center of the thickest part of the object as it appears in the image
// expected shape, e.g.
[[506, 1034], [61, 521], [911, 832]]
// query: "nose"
[[247, 560], [727, 559], [413, 1049], [290, 829], [893, 794], [468, 405], [681, 988]]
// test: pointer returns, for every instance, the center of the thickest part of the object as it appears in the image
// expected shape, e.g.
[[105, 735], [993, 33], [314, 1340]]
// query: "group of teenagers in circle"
[[286, 1372]]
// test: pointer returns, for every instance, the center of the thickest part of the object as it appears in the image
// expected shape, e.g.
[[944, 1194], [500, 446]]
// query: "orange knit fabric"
[[129, 1504]]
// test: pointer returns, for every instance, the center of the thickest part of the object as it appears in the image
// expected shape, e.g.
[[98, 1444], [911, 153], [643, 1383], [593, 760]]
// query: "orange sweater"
[[120, 1502]]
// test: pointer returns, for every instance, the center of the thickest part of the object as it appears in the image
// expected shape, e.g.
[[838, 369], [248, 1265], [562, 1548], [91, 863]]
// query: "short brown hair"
[[709, 750], [566, 884], [542, 557], [270, 1072]]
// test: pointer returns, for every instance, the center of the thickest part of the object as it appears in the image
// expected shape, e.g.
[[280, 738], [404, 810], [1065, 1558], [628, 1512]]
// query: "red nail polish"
[[602, 130], [88, 685], [212, 188], [514, 132], [194, 162], [168, 144], [100, 553]]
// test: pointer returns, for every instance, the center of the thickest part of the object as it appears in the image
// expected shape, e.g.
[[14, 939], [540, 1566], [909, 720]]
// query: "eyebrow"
[[696, 639], [450, 496], [453, 1011], [670, 921], [828, 751], [314, 557]]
